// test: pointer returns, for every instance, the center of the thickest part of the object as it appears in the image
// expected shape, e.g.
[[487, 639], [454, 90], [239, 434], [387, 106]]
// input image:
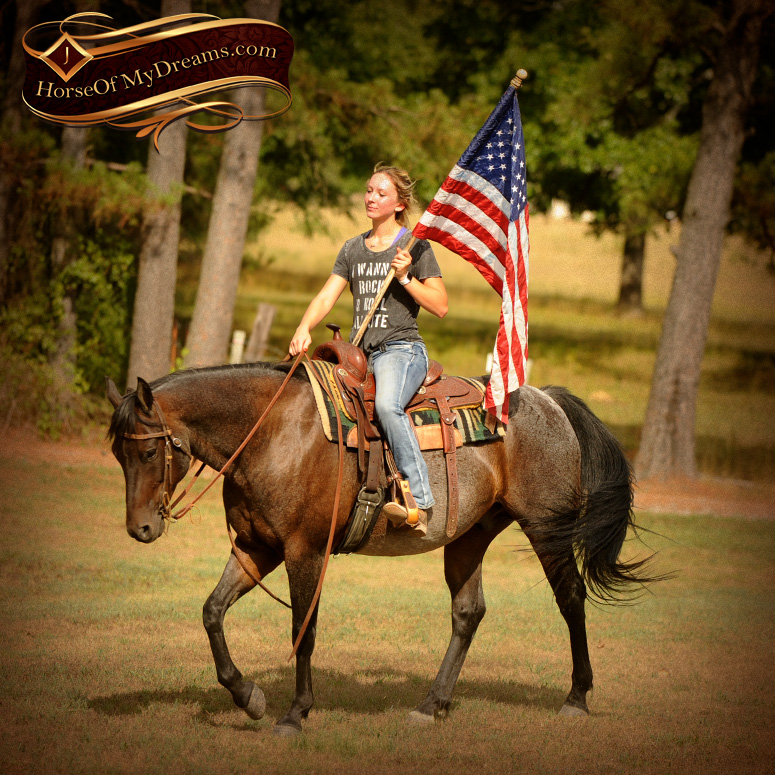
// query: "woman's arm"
[[430, 293], [318, 308]]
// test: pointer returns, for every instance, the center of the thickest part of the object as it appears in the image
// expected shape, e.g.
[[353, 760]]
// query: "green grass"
[[106, 667]]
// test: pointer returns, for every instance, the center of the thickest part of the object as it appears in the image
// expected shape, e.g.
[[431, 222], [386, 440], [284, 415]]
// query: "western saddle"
[[357, 389]]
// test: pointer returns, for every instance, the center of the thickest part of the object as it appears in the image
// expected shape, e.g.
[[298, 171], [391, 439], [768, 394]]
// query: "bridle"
[[166, 508], [170, 441]]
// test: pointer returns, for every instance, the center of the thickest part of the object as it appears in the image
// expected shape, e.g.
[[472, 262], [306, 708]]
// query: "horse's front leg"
[[233, 585], [304, 568], [463, 573]]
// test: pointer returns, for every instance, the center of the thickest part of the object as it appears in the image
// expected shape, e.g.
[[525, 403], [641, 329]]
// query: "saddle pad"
[[473, 423]]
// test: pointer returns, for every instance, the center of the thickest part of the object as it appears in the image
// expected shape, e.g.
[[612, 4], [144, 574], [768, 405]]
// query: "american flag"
[[481, 213]]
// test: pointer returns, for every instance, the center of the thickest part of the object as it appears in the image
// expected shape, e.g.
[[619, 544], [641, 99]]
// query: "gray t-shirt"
[[366, 270]]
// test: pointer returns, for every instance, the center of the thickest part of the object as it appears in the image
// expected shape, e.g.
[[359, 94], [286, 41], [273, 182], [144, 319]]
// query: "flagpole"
[[378, 298], [516, 82]]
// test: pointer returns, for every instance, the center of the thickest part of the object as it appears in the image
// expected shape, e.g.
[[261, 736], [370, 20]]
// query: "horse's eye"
[[148, 455]]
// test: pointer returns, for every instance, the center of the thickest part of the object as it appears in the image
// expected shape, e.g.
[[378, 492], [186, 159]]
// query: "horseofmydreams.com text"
[[147, 77]]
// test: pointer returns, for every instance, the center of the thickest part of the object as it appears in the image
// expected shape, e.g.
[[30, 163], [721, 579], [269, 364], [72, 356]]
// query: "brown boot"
[[398, 516]]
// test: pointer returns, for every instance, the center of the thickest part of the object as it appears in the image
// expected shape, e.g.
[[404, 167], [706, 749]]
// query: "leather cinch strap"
[[450, 455]]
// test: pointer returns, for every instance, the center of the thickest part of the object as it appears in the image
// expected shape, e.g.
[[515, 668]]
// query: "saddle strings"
[[334, 513]]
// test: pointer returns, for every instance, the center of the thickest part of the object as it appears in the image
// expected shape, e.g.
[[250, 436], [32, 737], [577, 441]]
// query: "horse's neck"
[[216, 420]]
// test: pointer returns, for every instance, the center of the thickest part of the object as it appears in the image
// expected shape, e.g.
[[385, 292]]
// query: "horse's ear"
[[144, 395], [113, 395]]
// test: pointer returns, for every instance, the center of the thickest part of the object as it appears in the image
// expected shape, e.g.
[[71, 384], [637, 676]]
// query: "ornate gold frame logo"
[[113, 76]]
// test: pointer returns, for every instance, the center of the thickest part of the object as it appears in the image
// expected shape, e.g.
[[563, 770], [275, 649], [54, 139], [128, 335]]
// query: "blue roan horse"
[[558, 473]]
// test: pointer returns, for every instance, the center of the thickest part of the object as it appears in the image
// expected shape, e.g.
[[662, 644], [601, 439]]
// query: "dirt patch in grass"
[[26, 443], [707, 495]]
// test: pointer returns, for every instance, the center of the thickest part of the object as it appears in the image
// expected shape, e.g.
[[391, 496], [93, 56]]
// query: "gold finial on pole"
[[516, 81]]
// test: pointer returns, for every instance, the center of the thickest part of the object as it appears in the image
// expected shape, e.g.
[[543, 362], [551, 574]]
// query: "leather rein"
[[247, 564]]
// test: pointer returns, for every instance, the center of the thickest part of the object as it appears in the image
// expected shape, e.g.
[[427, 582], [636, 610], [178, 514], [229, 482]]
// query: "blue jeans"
[[399, 370]]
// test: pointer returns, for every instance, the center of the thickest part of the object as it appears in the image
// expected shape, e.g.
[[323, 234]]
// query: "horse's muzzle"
[[146, 533]]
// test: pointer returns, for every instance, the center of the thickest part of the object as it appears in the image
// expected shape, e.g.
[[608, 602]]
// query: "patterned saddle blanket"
[[472, 424]]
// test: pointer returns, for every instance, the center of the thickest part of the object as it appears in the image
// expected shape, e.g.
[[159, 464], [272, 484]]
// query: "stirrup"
[[396, 513], [406, 514], [412, 512]]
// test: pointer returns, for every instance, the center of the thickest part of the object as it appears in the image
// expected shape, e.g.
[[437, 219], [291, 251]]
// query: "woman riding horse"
[[396, 352]]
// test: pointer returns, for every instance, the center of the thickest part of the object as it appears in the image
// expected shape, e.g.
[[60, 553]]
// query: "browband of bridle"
[[152, 436], [165, 429]]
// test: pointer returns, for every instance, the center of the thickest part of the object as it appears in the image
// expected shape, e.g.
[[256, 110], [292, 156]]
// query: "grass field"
[[106, 667], [576, 337]]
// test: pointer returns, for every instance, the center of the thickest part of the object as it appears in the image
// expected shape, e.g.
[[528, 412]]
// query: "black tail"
[[598, 528]]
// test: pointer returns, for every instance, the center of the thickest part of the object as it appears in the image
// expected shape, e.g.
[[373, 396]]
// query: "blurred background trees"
[[100, 244]]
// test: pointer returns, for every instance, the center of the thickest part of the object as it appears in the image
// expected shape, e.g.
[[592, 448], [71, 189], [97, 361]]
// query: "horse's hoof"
[[256, 706], [572, 710], [421, 719], [284, 730]]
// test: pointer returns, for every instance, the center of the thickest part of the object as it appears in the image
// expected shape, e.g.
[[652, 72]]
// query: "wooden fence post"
[[259, 336]]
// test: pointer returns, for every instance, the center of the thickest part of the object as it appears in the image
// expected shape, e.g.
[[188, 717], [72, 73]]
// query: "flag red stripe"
[[474, 227], [483, 202], [522, 275], [421, 231], [516, 348]]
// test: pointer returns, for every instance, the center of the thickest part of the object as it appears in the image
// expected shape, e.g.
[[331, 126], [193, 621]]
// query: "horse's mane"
[[124, 417]]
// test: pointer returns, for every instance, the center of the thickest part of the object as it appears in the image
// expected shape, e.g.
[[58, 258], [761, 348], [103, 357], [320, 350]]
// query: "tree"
[[754, 205], [667, 445], [208, 335], [63, 357], [154, 304], [73, 143], [11, 122], [67, 262]]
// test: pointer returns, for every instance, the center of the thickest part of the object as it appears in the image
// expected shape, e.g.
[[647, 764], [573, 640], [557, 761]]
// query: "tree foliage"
[[105, 205], [617, 132]]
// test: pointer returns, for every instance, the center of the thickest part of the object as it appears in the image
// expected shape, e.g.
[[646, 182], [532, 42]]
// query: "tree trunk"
[[11, 123], [667, 445], [208, 335], [154, 306], [27, 12], [631, 282], [74, 140]]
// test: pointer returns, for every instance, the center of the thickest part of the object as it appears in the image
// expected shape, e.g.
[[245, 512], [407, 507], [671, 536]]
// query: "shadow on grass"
[[374, 691]]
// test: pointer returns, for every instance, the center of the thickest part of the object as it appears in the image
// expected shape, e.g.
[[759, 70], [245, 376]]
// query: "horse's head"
[[152, 457]]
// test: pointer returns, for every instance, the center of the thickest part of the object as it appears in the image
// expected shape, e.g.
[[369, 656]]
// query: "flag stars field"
[[481, 213]]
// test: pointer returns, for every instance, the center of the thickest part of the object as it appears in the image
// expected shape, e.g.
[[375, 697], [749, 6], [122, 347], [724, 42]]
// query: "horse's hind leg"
[[570, 593], [463, 573], [233, 585]]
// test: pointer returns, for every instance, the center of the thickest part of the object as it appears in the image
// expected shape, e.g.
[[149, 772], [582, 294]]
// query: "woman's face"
[[381, 197]]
